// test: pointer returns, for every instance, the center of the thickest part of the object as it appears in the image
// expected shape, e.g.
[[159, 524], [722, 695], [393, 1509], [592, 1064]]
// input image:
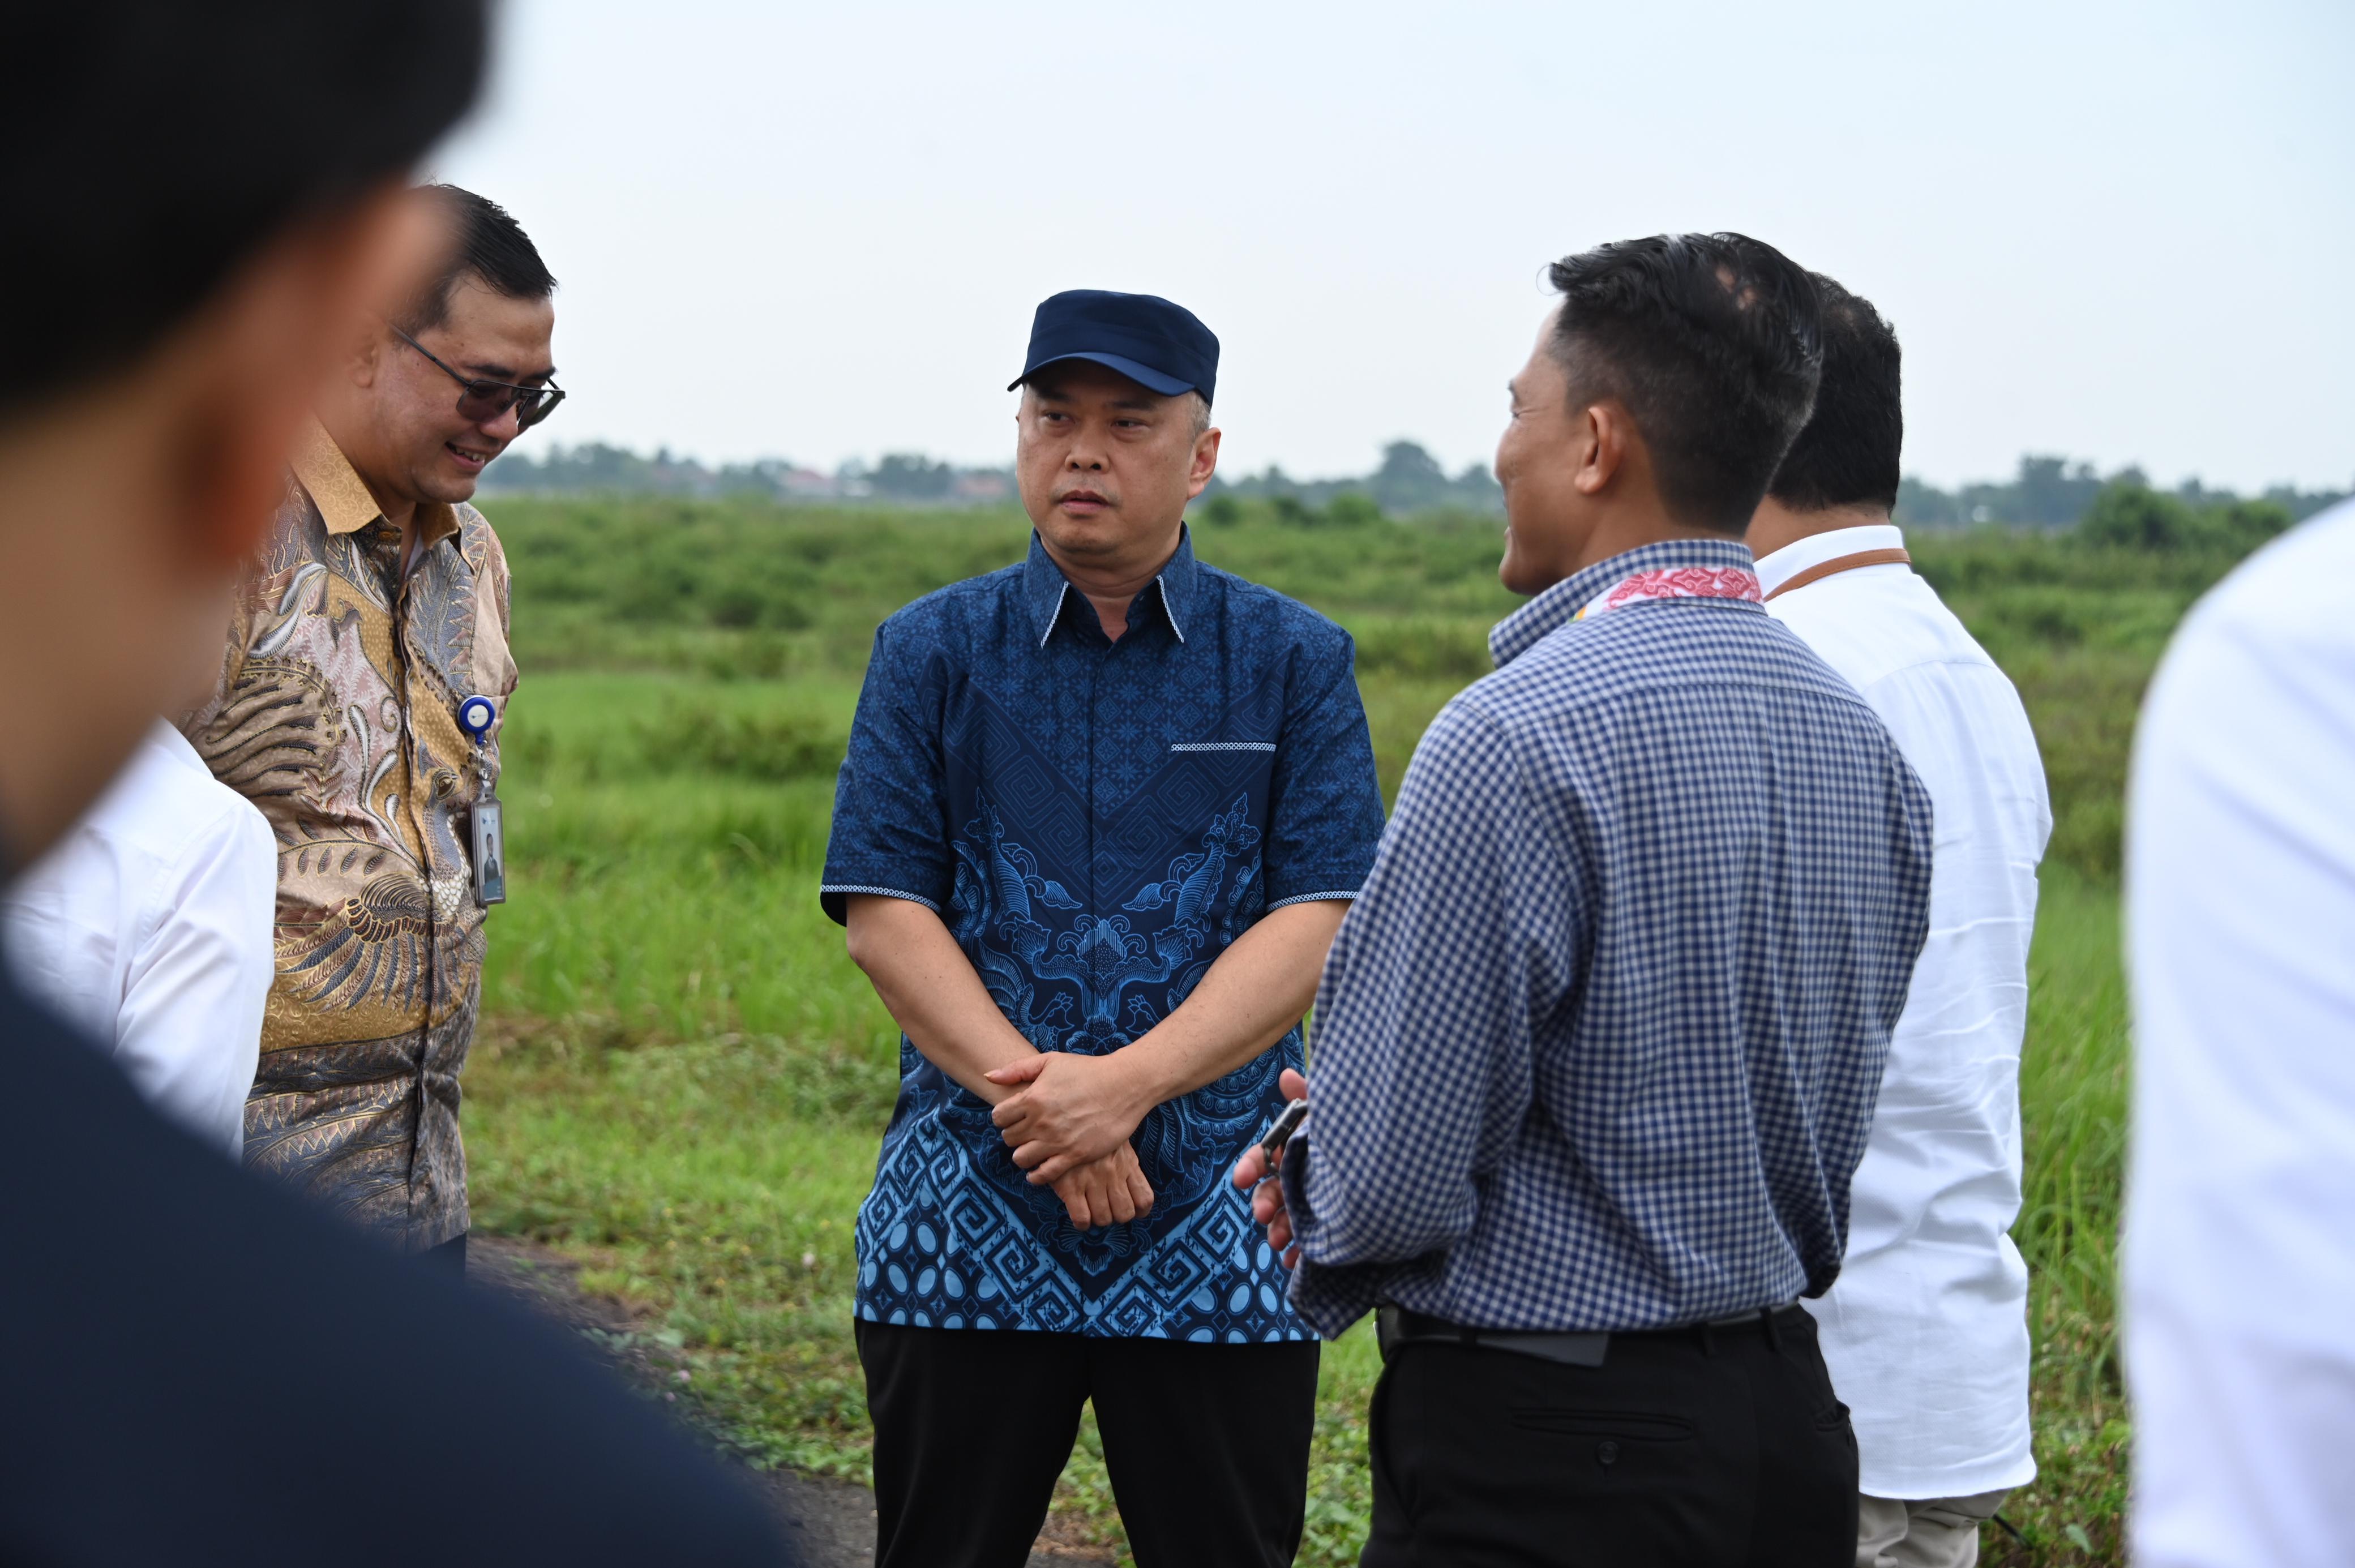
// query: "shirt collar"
[[1522, 630], [1779, 567], [345, 504], [1177, 583], [1044, 586]]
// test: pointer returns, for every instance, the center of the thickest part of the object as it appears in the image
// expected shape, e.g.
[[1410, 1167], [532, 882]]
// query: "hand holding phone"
[[1279, 1133], [1255, 1177]]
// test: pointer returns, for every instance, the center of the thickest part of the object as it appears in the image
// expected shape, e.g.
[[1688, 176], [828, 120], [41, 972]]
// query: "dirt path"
[[833, 1522]]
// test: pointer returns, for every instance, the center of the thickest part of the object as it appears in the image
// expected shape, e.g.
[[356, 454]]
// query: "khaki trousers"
[[1923, 1532]]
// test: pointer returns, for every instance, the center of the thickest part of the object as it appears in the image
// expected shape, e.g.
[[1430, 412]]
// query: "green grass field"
[[681, 1079]]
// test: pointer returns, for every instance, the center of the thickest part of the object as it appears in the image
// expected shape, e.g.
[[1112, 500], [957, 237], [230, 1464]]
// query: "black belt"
[[1395, 1325]]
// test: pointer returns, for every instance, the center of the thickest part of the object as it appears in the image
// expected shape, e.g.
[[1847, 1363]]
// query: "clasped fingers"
[[1107, 1192]]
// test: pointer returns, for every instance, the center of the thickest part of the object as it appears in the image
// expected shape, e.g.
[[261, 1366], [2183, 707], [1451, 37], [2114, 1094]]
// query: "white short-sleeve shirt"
[[2238, 1268], [149, 926], [1926, 1329]]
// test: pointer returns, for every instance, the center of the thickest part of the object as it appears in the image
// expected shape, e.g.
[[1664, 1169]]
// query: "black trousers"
[[1207, 1445], [1697, 1449]]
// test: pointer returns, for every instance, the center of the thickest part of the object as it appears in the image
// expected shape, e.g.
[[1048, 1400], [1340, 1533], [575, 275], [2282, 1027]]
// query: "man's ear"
[[1601, 437], [365, 359], [1206, 462]]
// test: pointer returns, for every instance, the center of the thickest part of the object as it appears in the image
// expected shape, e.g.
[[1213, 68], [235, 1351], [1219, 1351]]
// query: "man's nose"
[[505, 425]]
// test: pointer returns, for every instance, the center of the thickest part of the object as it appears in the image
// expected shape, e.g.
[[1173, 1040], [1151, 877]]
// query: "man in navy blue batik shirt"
[[1101, 814]]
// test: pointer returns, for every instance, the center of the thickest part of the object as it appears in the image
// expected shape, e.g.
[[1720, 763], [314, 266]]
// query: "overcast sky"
[[2124, 232]]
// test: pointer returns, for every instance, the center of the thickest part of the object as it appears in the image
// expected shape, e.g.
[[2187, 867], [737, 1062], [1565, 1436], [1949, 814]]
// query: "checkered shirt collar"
[[1558, 606]]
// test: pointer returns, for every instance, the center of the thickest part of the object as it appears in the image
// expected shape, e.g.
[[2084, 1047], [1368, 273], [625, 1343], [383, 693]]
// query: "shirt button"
[[1607, 1452]]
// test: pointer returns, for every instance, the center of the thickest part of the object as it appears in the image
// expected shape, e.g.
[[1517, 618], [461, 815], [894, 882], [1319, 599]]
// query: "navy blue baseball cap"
[[1162, 347]]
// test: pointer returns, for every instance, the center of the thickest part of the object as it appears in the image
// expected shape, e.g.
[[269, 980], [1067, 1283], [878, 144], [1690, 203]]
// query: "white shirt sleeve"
[[2239, 1258], [188, 1030], [149, 925]]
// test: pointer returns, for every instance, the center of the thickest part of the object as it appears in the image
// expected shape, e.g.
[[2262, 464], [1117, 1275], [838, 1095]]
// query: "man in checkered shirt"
[[1597, 1050]]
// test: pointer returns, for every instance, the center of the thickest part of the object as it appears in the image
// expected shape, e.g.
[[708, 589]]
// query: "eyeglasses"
[[480, 403]]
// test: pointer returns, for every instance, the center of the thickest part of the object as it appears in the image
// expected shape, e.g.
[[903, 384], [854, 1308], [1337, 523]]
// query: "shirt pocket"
[[1196, 832], [1210, 748], [1201, 778]]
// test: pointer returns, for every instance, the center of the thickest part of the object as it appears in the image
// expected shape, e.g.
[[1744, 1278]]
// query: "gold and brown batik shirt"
[[337, 716]]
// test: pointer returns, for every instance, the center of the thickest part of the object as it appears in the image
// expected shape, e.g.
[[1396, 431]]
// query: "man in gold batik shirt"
[[377, 607]]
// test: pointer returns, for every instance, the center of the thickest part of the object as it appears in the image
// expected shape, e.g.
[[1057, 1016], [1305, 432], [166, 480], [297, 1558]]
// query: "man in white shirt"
[[149, 925], [1926, 1329], [2239, 1263]]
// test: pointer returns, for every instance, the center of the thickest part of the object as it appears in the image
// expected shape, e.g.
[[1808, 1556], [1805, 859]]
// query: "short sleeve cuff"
[[1305, 884], [835, 898], [1338, 896]]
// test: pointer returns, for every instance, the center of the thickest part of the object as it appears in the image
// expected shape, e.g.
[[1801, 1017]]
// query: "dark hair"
[[490, 246], [149, 148], [1849, 453], [1710, 340]]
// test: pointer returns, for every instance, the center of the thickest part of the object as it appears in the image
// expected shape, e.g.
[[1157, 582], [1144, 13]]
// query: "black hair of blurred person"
[[149, 146], [1848, 455], [1712, 343], [487, 245]]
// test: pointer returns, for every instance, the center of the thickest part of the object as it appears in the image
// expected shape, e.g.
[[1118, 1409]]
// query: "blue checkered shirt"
[[1598, 1047]]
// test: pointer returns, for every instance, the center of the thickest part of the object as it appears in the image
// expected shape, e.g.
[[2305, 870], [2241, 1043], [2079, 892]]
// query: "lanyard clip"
[[476, 717]]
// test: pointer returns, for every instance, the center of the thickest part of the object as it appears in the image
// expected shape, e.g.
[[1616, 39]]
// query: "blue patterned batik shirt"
[[1599, 1046], [1095, 821]]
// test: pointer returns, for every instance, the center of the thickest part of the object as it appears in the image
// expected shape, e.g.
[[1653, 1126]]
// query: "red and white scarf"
[[1678, 583]]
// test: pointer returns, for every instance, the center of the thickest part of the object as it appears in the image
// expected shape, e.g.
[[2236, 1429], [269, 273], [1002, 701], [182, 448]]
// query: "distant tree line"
[[2046, 493], [1407, 482], [2053, 493], [2181, 522], [594, 466], [597, 466]]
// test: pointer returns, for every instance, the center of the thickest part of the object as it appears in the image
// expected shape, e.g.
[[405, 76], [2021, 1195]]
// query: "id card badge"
[[490, 853], [475, 716]]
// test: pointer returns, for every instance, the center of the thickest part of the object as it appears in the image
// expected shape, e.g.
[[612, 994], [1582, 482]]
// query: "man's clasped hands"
[[1069, 1123]]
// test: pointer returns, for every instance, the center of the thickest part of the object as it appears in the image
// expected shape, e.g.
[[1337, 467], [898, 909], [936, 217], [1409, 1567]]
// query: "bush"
[[2138, 518], [660, 591], [2245, 524], [738, 605], [2134, 517], [771, 747], [1424, 650]]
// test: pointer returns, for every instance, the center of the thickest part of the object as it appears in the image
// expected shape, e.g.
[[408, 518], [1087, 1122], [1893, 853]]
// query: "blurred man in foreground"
[[1101, 814], [1596, 1050], [203, 1371], [375, 617], [1926, 1330], [2238, 1267], [147, 926]]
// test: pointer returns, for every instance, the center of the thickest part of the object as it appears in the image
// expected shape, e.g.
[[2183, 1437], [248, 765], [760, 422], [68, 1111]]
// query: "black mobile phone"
[[1279, 1131]]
